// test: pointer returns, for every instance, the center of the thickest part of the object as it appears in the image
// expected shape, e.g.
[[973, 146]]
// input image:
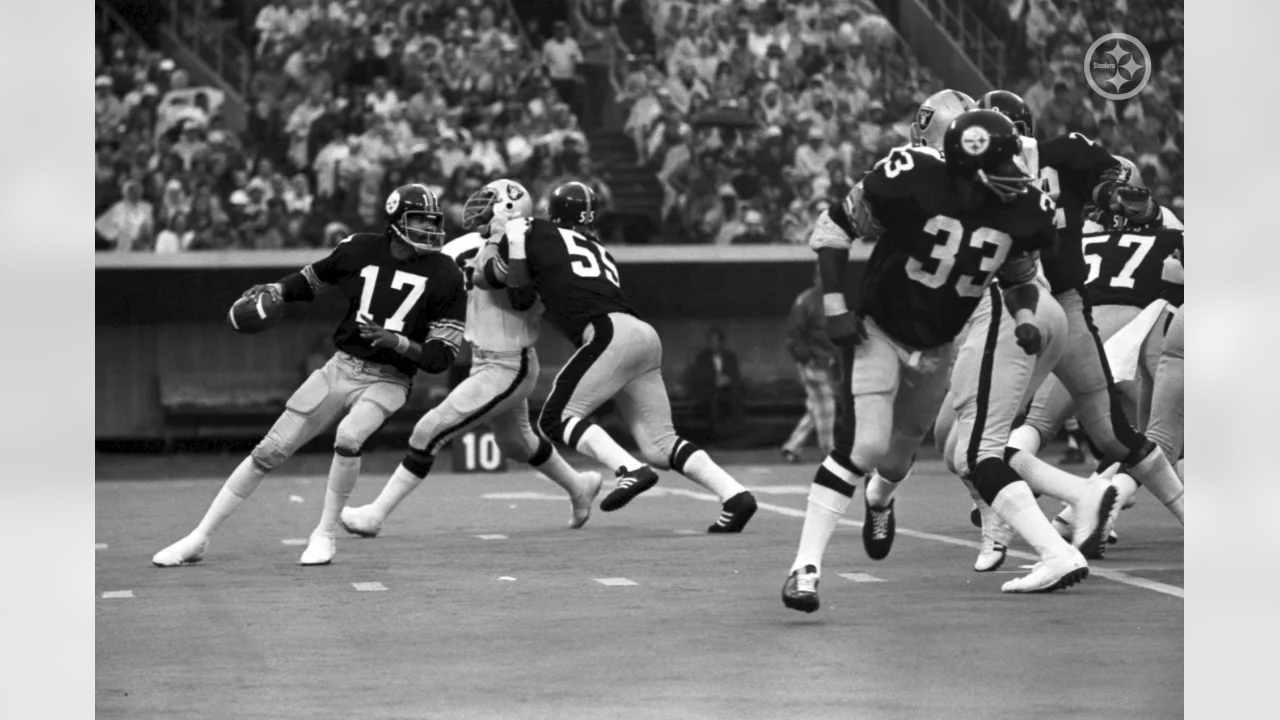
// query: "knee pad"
[[348, 442], [991, 476], [270, 453]]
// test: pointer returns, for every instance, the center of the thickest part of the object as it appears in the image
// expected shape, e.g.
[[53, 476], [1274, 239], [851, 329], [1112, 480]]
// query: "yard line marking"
[[117, 594], [523, 496], [507, 577], [1113, 575], [688, 532], [296, 499], [294, 541], [99, 546], [369, 586], [860, 577], [615, 582], [494, 536], [780, 489]]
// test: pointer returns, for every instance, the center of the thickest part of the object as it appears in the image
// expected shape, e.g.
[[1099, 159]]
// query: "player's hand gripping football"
[[380, 337], [1028, 337], [846, 329], [273, 289]]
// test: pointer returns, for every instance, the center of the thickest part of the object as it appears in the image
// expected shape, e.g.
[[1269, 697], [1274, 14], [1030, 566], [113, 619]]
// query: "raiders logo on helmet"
[[923, 116], [514, 192]]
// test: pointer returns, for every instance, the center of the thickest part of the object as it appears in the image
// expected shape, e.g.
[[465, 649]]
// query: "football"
[[253, 315]]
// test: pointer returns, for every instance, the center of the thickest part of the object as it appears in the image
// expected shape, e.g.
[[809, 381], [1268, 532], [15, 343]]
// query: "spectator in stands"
[[176, 236], [130, 223], [561, 57], [715, 382], [812, 158]]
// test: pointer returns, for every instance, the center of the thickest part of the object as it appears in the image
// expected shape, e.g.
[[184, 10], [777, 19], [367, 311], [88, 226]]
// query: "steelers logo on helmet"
[[393, 201], [975, 140], [923, 116]]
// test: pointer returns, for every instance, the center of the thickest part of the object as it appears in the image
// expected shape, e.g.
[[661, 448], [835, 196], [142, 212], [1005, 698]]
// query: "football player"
[[944, 230], [405, 306], [504, 371], [1077, 173], [619, 355]]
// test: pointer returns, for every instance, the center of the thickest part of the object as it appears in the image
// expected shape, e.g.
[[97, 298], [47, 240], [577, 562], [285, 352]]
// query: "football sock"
[[701, 469], [343, 474], [402, 483], [559, 472], [596, 443], [991, 523], [829, 497], [1157, 476], [1017, 506], [1025, 438], [880, 491], [243, 481], [1047, 479]]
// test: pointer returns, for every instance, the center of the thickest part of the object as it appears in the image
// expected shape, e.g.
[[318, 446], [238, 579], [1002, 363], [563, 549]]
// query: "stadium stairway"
[[637, 196]]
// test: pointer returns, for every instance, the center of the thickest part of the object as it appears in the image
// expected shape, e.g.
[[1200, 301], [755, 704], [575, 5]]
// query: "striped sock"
[[829, 497], [596, 443]]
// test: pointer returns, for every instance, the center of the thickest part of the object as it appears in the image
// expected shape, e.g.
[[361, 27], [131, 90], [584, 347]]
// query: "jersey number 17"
[[417, 285]]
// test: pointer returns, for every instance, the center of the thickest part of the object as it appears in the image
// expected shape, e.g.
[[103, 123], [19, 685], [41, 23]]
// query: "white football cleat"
[[589, 484], [320, 550], [1056, 573], [996, 536], [186, 551], [992, 555], [362, 521], [1093, 515]]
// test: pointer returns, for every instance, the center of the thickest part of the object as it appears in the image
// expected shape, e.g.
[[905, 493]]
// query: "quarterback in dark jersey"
[[945, 230], [1079, 174], [405, 312], [619, 355]]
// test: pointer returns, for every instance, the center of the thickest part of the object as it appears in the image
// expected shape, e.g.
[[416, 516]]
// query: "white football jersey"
[[492, 324]]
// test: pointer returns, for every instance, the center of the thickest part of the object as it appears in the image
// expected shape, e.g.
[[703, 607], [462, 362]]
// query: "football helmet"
[[572, 205], [935, 114], [1135, 175], [415, 202], [984, 146], [1011, 106], [495, 204]]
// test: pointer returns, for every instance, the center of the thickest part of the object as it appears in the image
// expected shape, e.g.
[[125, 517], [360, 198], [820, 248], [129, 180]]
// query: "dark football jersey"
[[933, 257], [422, 297], [1071, 166], [574, 274], [1125, 267]]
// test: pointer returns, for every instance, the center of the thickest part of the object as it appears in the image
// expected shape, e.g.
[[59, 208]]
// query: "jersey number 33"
[[991, 246]]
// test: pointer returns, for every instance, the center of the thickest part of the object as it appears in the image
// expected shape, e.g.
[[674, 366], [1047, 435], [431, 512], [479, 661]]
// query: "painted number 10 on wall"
[[478, 451]]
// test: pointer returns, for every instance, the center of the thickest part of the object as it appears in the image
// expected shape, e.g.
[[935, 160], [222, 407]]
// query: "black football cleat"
[[878, 528], [800, 591], [630, 484], [735, 513]]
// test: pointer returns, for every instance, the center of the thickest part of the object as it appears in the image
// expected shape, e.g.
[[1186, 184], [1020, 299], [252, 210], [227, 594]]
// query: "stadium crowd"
[[753, 115], [347, 100]]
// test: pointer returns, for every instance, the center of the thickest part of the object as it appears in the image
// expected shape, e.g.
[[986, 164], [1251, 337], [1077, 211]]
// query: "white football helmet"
[[496, 203], [936, 114]]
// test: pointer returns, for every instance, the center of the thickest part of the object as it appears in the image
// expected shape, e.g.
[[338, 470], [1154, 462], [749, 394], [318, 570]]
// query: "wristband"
[[402, 344], [833, 304], [1025, 317], [516, 250]]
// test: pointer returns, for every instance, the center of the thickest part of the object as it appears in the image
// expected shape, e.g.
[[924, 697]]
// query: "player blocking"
[[405, 305], [559, 262]]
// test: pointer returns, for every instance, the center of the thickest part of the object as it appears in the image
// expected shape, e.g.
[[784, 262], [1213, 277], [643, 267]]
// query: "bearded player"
[[504, 372], [1077, 173], [405, 305], [619, 356], [944, 230]]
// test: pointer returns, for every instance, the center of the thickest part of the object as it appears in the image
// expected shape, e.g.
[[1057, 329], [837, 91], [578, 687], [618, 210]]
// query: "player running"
[[1076, 173], [405, 310], [504, 371], [619, 355], [944, 231]]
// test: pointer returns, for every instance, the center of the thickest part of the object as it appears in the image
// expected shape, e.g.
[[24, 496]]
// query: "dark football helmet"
[[414, 218], [572, 205], [984, 146], [1011, 106]]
